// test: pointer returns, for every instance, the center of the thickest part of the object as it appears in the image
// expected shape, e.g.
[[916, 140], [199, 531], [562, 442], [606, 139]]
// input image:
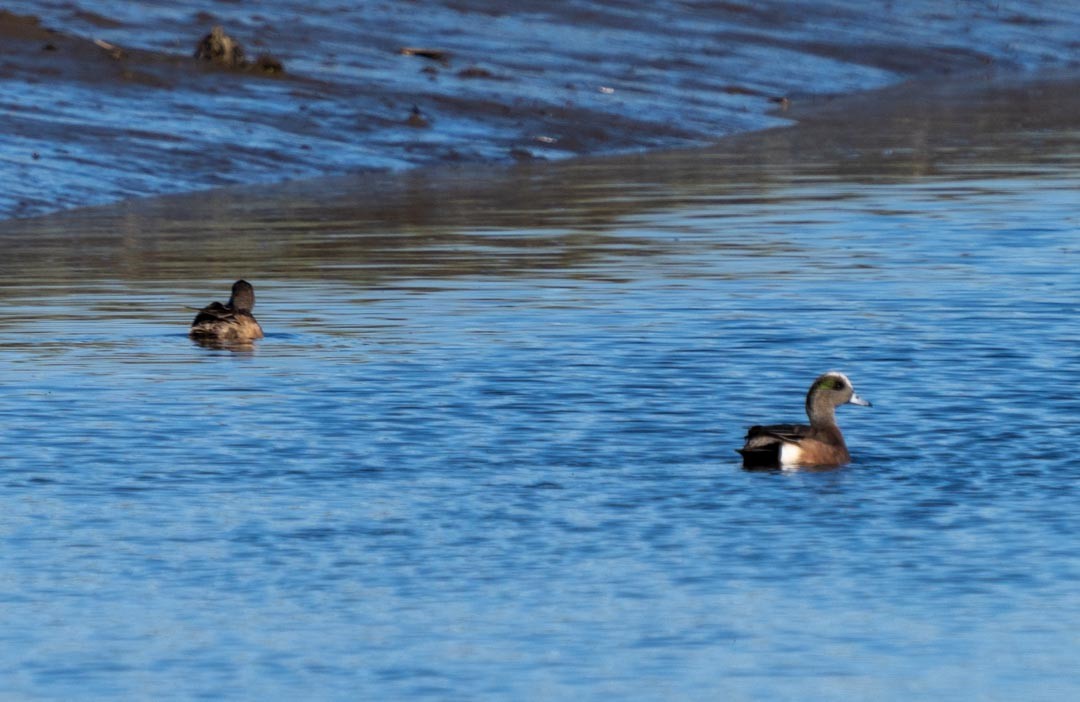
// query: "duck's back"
[[764, 445], [792, 444], [218, 321]]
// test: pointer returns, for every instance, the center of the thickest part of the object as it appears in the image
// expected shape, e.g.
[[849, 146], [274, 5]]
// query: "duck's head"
[[828, 392], [243, 296]]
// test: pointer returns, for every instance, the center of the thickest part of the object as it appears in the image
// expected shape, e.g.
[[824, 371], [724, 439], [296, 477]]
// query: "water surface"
[[486, 449]]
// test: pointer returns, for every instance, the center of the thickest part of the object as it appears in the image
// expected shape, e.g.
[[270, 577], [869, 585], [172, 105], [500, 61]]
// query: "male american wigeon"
[[820, 444], [231, 322]]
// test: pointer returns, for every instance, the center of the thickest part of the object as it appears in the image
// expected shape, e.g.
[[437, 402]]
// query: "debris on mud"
[[114, 51], [439, 55], [475, 72], [783, 101], [268, 64], [219, 48], [417, 119]]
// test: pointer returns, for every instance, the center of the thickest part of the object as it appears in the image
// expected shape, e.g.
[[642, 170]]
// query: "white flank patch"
[[790, 454]]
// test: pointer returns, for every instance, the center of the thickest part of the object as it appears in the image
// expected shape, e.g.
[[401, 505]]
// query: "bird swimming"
[[231, 322], [820, 444]]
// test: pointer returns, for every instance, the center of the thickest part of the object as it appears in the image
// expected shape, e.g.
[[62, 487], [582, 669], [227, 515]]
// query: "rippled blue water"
[[521, 483]]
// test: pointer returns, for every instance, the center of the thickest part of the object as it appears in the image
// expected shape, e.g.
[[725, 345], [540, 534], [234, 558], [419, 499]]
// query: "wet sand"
[[368, 224], [106, 107]]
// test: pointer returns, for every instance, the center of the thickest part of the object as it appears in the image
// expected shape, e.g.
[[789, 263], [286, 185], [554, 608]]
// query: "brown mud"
[[101, 108], [370, 229]]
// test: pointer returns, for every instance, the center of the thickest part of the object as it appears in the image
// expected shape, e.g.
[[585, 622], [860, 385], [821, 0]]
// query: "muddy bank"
[[103, 104], [375, 229]]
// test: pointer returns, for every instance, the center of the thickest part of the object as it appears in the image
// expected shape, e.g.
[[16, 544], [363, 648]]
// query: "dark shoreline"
[[905, 134], [111, 121]]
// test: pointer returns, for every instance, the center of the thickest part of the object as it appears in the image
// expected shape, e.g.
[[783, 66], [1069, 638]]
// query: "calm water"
[[486, 449]]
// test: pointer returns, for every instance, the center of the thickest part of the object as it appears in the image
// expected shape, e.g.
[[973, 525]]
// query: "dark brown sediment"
[[372, 229], [101, 108]]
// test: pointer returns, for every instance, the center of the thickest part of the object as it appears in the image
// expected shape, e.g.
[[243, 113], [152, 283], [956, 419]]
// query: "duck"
[[821, 444], [231, 322]]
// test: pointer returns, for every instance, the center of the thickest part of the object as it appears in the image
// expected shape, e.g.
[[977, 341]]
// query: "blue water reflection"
[[523, 485]]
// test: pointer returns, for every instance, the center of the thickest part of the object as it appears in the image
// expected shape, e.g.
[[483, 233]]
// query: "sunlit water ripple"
[[522, 484]]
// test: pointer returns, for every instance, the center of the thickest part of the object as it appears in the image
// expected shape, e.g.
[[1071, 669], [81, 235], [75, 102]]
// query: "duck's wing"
[[214, 312], [763, 436], [763, 443], [220, 322]]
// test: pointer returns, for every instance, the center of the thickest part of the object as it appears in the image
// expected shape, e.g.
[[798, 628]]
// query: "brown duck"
[[820, 444], [231, 322]]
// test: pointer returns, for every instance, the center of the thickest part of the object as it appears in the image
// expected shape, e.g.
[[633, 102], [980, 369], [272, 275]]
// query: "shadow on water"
[[219, 345]]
